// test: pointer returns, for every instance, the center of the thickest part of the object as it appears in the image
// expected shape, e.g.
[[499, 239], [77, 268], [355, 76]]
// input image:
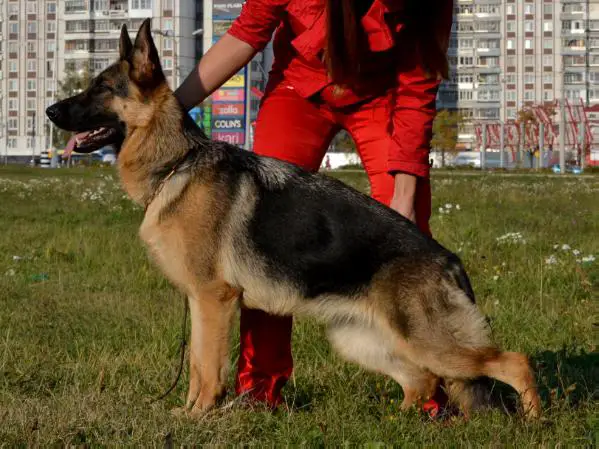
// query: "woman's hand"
[[404, 194]]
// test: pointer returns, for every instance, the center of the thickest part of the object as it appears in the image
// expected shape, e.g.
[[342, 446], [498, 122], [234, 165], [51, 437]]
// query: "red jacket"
[[298, 45]]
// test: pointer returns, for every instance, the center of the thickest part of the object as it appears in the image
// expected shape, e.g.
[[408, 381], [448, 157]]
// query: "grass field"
[[89, 329]]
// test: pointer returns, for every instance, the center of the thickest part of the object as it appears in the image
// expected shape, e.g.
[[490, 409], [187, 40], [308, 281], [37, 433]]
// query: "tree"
[[74, 81], [527, 116], [446, 127], [343, 142]]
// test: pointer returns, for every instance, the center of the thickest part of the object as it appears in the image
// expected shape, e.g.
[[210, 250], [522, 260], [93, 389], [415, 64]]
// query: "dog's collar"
[[158, 189], [184, 162]]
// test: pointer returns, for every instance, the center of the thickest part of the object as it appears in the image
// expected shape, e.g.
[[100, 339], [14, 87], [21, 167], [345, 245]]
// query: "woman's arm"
[[248, 35], [413, 115], [223, 60]]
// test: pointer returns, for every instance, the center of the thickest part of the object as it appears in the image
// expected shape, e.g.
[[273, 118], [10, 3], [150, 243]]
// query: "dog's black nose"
[[53, 112]]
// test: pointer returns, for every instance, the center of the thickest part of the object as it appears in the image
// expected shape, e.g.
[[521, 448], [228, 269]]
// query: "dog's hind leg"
[[370, 348], [212, 309]]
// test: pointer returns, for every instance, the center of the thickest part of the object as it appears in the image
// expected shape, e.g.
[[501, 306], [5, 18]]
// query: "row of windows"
[[30, 46], [494, 9], [31, 8], [13, 85], [78, 6], [510, 43], [32, 27]]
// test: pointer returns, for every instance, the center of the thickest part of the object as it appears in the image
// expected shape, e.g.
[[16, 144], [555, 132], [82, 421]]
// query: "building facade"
[[506, 54], [41, 41]]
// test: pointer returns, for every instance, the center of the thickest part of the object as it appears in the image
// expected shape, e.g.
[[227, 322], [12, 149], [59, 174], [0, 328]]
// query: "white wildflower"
[[551, 260], [575, 252], [10, 272], [555, 246], [457, 206], [495, 277], [448, 206], [565, 247], [590, 258]]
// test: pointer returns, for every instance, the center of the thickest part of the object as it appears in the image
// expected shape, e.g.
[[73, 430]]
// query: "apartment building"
[[506, 54], [42, 40]]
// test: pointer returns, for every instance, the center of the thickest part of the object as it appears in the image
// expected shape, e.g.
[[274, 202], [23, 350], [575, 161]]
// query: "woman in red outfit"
[[371, 67]]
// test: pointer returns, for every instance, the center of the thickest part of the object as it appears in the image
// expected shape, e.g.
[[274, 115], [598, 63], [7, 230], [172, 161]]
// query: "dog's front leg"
[[212, 311]]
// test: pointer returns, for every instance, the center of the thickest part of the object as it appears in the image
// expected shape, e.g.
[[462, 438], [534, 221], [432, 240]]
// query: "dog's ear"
[[125, 44], [146, 69]]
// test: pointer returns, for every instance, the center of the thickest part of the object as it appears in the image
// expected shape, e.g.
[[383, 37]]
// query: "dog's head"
[[115, 98]]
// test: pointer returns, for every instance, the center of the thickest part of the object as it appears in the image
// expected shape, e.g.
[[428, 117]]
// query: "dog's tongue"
[[76, 140]]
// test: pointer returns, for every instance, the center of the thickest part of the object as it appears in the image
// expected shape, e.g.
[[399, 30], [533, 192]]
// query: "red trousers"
[[299, 131]]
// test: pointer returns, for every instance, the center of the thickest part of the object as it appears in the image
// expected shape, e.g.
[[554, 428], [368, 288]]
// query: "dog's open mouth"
[[89, 141]]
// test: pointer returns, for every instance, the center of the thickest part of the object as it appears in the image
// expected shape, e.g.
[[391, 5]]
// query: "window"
[[510, 44], [465, 95], [13, 85], [465, 78], [141, 4], [529, 95], [12, 104], [31, 103], [547, 8], [30, 47], [168, 44], [528, 44], [13, 123], [510, 25], [49, 67], [31, 65], [529, 8], [548, 95], [529, 26], [547, 25], [168, 64], [51, 8], [51, 27], [511, 61], [529, 78], [529, 61], [30, 140], [167, 4], [31, 7], [466, 60], [168, 24], [13, 47], [13, 9], [31, 85], [547, 60], [548, 44], [32, 27], [13, 28], [12, 66], [548, 78], [50, 85], [510, 95], [51, 46], [509, 9], [510, 79], [511, 114]]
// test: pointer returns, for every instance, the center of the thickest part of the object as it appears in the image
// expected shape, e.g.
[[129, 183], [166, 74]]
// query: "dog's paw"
[[180, 412]]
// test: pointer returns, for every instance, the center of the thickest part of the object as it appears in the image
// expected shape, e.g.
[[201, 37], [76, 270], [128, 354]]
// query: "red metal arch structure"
[[578, 133]]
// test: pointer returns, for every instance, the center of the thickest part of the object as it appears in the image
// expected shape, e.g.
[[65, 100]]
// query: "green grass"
[[89, 328]]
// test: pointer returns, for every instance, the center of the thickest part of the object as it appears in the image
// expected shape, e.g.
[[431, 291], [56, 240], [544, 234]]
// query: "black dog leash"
[[182, 345]]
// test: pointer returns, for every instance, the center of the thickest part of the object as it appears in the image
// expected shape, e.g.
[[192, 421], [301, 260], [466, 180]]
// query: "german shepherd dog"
[[230, 228]]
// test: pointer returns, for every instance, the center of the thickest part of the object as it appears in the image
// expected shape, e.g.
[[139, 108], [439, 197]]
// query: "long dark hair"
[[347, 47]]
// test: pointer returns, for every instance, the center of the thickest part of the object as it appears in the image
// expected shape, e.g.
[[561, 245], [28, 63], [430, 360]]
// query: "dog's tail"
[[455, 270]]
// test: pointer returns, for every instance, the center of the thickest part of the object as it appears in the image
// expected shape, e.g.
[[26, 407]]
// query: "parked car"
[[570, 168]]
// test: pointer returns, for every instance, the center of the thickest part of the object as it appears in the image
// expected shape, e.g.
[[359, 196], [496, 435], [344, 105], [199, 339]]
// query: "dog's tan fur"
[[412, 322]]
